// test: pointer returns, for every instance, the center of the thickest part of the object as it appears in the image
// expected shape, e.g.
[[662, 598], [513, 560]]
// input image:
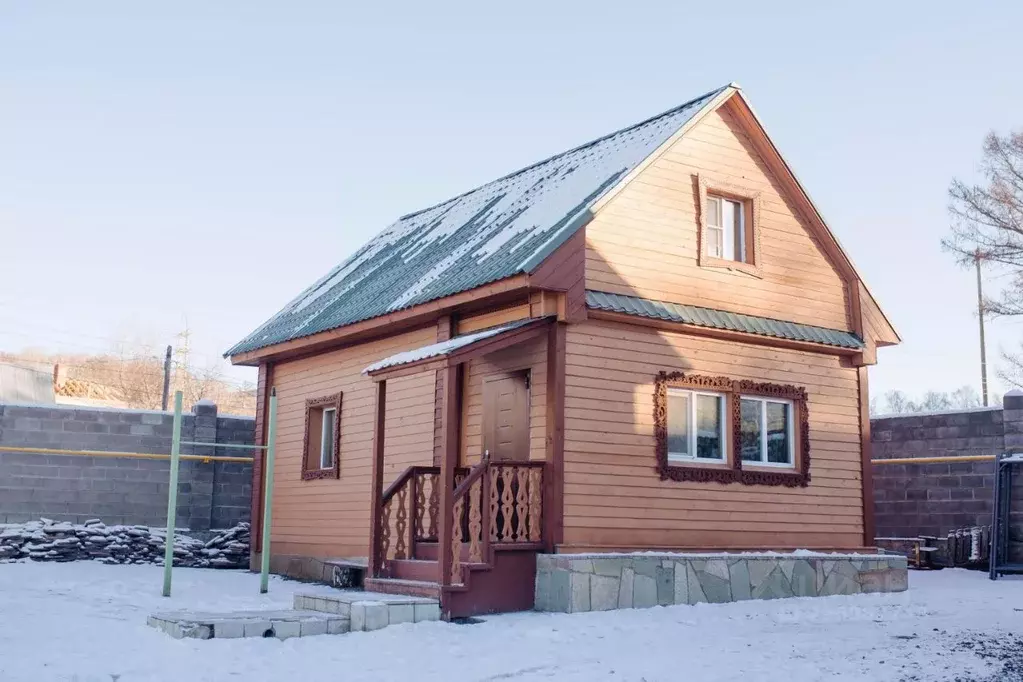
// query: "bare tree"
[[987, 218], [897, 403], [934, 401], [964, 398], [987, 224]]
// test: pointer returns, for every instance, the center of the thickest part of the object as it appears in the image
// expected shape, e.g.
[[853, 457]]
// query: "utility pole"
[[166, 378], [980, 317]]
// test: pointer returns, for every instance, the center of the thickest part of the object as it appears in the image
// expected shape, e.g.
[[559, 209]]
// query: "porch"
[[467, 529]]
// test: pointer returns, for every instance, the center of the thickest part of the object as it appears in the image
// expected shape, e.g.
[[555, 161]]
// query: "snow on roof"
[[495, 231], [444, 347]]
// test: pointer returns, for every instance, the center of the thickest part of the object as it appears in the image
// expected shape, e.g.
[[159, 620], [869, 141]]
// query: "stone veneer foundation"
[[573, 583]]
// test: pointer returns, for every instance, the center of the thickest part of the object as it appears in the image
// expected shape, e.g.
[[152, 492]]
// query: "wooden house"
[[651, 341]]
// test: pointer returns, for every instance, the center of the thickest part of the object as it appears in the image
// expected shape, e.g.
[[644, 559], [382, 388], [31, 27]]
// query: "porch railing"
[[498, 505], [495, 505], [410, 513]]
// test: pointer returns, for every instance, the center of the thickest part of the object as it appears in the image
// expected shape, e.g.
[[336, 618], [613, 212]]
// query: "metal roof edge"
[[813, 205], [714, 318]]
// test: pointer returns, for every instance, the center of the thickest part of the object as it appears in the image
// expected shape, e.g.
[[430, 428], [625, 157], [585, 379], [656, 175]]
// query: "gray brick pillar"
[[201, 474], [1012, 419]]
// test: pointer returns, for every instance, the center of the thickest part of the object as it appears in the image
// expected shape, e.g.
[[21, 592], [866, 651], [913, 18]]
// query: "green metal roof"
[[495, 231], [720, 319]]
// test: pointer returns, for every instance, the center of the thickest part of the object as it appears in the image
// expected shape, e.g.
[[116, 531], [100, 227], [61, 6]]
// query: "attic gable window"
[[726, 228], [729, 229]]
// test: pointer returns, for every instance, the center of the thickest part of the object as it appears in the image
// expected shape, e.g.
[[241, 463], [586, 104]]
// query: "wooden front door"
[[506, 416]]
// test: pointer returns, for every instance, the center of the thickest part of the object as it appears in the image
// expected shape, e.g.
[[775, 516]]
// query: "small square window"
[[766, 432], [322, 435], [727, 229], [696, 426]]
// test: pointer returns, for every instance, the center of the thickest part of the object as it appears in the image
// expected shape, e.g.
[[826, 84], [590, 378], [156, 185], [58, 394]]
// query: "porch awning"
[[460, 348]]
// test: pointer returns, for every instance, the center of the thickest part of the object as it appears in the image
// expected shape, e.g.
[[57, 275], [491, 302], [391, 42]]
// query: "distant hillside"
[[136, 382]]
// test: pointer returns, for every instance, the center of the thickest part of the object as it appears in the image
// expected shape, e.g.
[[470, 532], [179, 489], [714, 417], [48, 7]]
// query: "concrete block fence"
[[116, 490], [932, 499], [573, 583]]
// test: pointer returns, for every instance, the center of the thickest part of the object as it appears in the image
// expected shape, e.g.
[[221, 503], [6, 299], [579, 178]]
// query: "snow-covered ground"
[[86, 621]]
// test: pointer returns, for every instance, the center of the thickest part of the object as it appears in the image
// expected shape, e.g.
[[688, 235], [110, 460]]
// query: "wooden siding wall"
[[644, 242], [330, 518], [531, 355], [492, 318], [613, 494]]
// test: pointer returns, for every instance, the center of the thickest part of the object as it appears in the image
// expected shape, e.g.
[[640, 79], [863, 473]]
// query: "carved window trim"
[[309, 471], [733, 469], [752, 203]]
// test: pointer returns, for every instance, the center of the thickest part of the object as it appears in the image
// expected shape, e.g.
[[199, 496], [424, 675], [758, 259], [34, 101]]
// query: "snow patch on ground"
[[86, 621]]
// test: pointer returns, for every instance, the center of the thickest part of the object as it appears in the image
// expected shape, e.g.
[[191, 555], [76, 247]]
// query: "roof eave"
[[380, 325]]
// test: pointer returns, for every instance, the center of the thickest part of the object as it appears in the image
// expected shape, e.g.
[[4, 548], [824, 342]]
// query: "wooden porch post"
[[451, 411], [377, 482], [554, 469]]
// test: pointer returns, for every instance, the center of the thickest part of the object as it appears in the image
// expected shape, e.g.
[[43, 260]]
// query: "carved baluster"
[[400, 524], [418, 528], [456, 542], [521, 503], [434, 506], [507, 503], [385, 532], [535, 504], [475, 523], [494, 503]]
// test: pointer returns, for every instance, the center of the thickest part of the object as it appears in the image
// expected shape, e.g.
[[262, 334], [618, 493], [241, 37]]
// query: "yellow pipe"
[[934, 460], [133, 455]]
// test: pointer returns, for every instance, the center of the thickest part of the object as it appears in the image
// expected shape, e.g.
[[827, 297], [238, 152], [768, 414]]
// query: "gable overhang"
[[838, 256], [733, 97]]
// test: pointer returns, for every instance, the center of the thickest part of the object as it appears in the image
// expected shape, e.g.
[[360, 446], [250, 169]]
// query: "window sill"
[[750, 269], [768, 466], [316, 474], [693, 462]]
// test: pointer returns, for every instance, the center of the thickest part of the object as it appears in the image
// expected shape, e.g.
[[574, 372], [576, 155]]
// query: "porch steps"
[[314, 614], [416, 569], [371, 610], [283, 624], [398, 586], [429, 551]]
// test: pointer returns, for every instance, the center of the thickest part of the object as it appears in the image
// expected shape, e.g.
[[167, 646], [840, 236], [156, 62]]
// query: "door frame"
[[525, 373]]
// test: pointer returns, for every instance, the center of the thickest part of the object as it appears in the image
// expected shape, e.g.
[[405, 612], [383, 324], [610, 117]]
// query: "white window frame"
[[327, 456], [790, 435], [692, 435], [723, 230]]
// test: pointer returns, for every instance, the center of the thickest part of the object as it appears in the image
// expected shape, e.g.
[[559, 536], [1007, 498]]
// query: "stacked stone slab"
[[572, 583], [48, 540]]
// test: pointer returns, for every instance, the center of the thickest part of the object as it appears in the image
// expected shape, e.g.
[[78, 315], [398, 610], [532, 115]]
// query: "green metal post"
[[172, 496], [268, 494]]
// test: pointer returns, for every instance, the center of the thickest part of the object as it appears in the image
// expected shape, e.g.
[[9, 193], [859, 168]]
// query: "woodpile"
[[47, 540]]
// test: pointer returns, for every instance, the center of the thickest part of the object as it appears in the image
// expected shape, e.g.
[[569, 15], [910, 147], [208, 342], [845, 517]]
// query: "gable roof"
[[498, 230]]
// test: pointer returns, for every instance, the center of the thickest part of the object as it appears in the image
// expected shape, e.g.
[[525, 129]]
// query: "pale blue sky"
[[209, 160]]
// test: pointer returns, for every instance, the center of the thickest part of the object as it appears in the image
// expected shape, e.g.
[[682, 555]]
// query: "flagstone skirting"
[[572, 583]]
